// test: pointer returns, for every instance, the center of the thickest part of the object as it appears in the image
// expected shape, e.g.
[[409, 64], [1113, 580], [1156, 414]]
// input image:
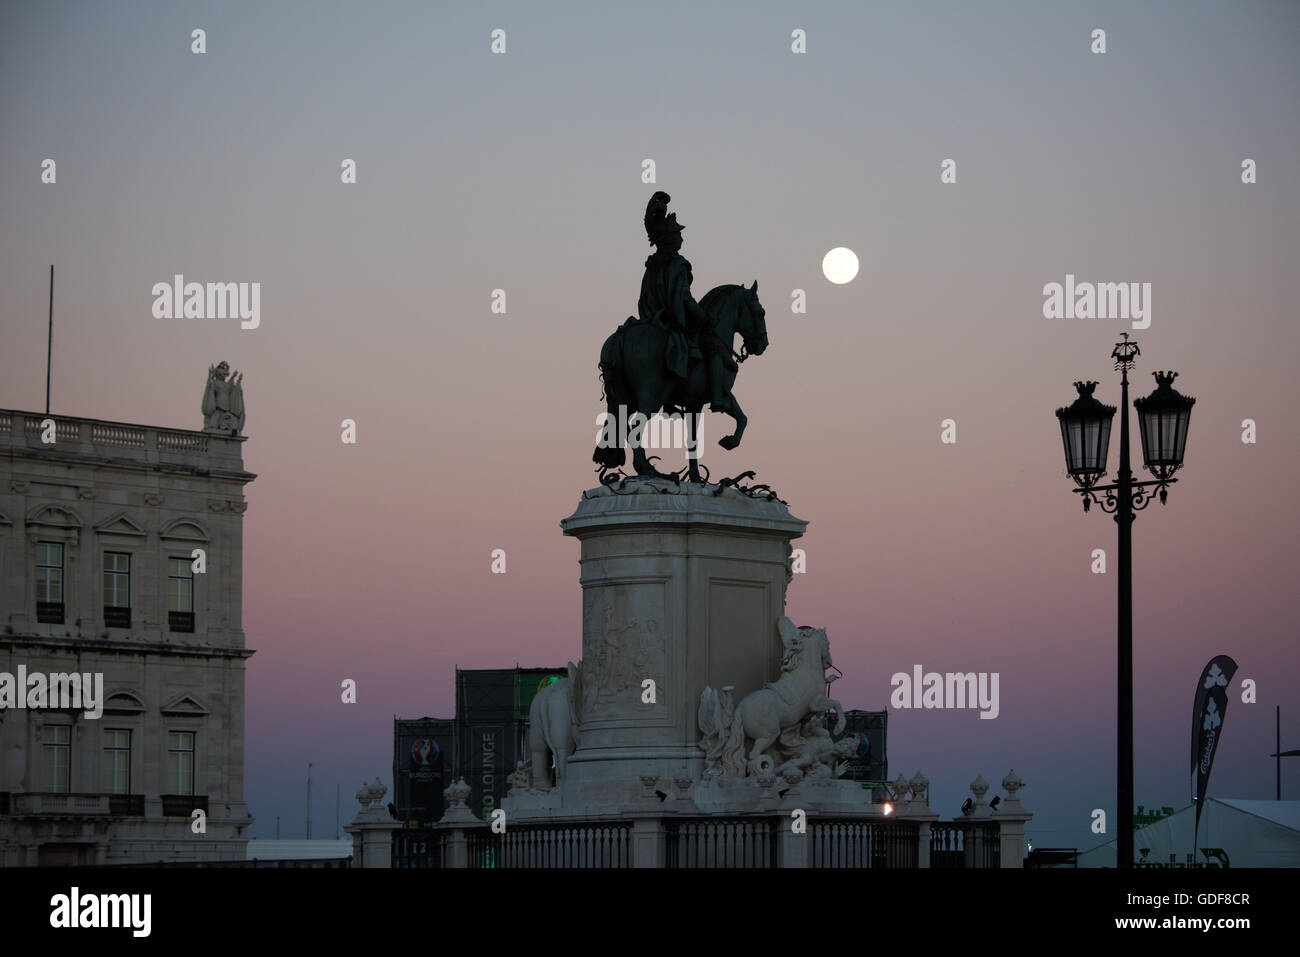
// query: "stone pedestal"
[[682, 586], [372, 839]]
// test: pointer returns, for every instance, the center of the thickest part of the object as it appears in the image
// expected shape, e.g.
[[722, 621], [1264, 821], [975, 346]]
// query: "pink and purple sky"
[[523, 172]]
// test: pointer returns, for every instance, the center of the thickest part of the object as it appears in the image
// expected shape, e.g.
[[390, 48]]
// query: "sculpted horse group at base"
[[776, 731]]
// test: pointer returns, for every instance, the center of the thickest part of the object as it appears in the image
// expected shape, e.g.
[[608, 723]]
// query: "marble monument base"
[[682, 586]]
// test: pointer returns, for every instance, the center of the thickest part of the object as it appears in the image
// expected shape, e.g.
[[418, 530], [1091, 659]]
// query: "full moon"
[[840, 265]]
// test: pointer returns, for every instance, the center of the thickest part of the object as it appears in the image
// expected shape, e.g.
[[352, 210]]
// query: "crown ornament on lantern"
[[1086, 401]]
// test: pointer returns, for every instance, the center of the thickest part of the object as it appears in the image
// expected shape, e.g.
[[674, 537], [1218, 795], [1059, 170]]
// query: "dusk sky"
[[523, 172]]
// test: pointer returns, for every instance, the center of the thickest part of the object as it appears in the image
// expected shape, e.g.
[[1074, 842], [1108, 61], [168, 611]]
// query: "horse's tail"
[[733, 752], [616, 394]]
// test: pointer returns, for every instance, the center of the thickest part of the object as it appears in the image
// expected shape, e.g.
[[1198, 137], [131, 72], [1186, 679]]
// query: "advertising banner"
[[1207, 725]]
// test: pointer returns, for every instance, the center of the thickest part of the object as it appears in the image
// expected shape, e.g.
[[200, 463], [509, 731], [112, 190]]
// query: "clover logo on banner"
[[1212, 718], [1215, 677]]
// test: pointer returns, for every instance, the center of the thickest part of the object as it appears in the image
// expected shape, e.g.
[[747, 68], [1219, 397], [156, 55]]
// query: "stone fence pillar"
[[649, 843], [912, 803], [1011, 816], [792, 850], [372, 829], [458, 820]]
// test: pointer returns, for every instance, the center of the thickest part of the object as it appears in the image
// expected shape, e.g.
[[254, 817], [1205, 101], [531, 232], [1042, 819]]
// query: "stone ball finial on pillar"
[[458, 810], [979, 787], [1011, 784], [920, 785], [457, 793], [901, 788]]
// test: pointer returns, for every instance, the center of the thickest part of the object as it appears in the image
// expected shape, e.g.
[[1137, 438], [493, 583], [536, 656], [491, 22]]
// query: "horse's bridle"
[[744, 353]]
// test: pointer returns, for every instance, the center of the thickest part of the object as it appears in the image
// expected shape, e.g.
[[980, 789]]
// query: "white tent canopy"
[[1234, 833]]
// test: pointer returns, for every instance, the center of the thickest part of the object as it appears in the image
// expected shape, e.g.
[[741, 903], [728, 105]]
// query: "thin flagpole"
[[49, 342]]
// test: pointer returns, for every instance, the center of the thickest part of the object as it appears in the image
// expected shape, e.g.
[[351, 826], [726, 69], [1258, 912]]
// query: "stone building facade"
[[121, 552]]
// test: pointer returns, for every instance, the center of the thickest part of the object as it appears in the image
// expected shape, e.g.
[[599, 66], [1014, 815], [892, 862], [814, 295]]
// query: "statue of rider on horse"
[[677, 354]]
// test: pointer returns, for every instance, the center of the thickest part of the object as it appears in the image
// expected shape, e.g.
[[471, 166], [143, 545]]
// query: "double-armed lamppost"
[[1085, 431]]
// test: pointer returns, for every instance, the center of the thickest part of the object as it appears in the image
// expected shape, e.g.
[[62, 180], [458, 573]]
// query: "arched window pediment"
[[47, 515], [184, 530], [124, 702]]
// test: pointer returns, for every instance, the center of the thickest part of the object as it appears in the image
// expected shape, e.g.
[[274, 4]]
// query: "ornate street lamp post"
[[1085, 432]]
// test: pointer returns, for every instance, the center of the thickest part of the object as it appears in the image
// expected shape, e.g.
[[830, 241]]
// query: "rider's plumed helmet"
[[659, 223]]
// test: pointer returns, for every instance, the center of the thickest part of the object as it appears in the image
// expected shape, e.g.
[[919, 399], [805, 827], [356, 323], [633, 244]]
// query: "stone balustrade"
[[74, 436], [50, 804]]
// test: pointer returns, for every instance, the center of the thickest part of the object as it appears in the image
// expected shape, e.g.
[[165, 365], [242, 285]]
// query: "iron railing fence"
[[856, 843], [722, 842], [975, 844]]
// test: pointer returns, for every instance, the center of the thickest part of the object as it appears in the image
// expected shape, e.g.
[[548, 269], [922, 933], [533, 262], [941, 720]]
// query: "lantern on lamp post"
[[1085, 433], [1162, 423], [1163, 417]]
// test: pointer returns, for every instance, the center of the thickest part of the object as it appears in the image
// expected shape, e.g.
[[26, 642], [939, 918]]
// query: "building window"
[[57, 746], [180, 761], [117, 762], [180, 595], [117, 590], [49, 583]]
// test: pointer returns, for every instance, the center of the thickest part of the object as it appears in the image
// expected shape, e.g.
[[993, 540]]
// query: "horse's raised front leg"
[[733, 409]]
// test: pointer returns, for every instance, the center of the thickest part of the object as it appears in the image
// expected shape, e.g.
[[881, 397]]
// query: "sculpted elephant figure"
[[554, 720]]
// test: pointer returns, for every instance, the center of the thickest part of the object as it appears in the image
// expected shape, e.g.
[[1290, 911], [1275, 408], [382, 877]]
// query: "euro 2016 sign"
[[424, 759]]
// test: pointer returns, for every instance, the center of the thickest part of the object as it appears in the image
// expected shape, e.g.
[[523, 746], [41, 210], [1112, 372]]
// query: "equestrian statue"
[[677, 354]]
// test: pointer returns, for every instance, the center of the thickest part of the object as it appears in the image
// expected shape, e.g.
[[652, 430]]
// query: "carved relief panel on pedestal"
[[622, 645]]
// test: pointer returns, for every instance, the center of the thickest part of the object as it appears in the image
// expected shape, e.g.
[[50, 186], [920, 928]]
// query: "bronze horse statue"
[[636, 378]]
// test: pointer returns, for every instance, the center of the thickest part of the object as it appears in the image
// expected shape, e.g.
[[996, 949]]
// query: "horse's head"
[[803, 642], [753, 322], [734, 309], [816, 642]]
